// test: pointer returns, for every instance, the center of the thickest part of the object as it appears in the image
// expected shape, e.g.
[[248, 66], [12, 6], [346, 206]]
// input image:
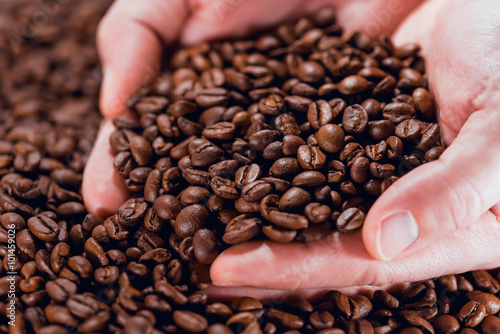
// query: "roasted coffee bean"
[[190, 321], [293, 199], [291, 144], [43, 228], [330, 138], [350, 220], [320, 113], [408, 130], [166, 207], [424, 103], [194, 194], [490, 324], [279, 234], [434, 153], [359, 169], [310, 71], [353, 84], [255, 191], [288, 220], [220, 131], [206, 154], [309, 179], [271, 105], [205, 246], [317, 213], [430, 136], [189, 220], [381, 129], [472, 313], [259, 140], [398, 112], [311, 157], [224, 188], [284, 167], [191, 175], [247, 174], [377, 152], [287, 125], [355, 119], [241, 229]]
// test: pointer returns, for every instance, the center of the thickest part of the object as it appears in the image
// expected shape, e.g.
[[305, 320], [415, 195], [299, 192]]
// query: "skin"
[[454, 200]]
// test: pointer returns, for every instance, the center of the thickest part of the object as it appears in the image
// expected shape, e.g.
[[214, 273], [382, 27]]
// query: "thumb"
[[439, 197], [102, 188]]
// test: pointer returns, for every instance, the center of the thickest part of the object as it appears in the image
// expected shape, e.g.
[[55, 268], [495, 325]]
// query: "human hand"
[[454, 201], [132, 37]]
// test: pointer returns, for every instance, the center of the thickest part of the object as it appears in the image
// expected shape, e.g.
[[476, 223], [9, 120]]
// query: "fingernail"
[[397, 232]]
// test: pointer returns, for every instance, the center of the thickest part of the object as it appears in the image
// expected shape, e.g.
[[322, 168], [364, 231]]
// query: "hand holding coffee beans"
[[430, 193]]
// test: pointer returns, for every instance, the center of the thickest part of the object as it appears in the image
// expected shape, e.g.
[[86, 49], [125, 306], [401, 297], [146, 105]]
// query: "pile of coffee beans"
[[290, 135], [287, 136]]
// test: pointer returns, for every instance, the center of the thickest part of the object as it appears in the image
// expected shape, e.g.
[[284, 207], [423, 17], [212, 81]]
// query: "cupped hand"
[[134, 34], [438, 219]]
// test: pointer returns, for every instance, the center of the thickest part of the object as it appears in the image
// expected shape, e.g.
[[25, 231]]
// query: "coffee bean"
[[279, 234], [293, 199], [43, 228], [284, 167], [309, 179], [355, 119], [424, 102], [166, 207], [320, 113], [206, 154], [408, 130], [256, 190], [353, 84], [382, 170], [381, 129], [310, 71], [220, 131], [472, 313], [330, 138], [350, 220], [247, 174], [189, 220], [271, 105], [205, 246], [224, 188], [359, 169], [311, 157], [429, 137], [259, 140], [190, 321], [288, 220], [241, 229], [377, 152], [434, 153], [490, 324], [398, 112]]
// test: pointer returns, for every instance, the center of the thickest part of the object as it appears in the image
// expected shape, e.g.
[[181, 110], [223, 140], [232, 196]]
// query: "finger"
[[220, 19], [130, 42], [439, 197], [103, 189], [340, 261]]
